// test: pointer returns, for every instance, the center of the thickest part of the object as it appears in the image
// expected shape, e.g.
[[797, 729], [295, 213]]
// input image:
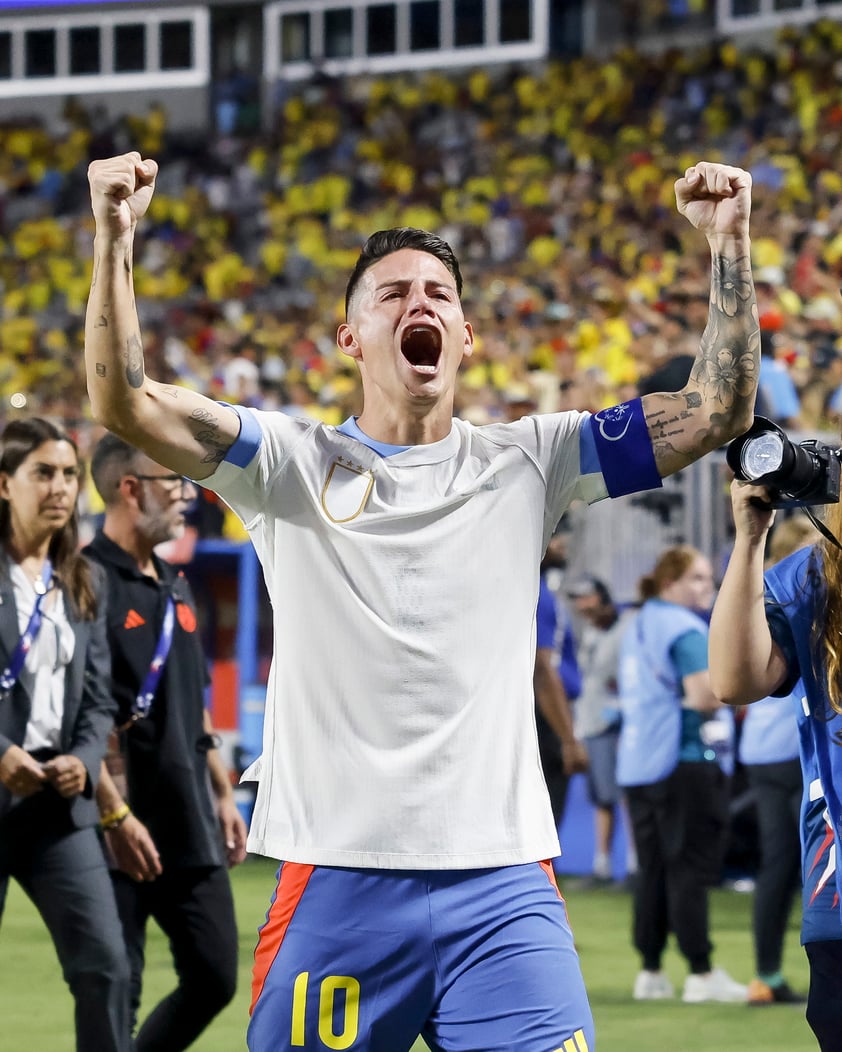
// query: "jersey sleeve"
[[256, 458], [789, 611], [690, 653]]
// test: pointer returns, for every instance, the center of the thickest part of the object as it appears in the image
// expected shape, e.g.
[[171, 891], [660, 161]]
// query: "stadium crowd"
[[551, 183]]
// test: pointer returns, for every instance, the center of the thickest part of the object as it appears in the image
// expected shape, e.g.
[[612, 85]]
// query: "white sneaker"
[[717, 985], [652, 986]]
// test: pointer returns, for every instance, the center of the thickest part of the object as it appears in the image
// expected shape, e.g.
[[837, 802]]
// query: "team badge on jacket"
[[346, 490]]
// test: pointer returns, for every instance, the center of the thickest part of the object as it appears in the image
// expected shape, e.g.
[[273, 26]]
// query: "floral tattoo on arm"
[[723, 380]]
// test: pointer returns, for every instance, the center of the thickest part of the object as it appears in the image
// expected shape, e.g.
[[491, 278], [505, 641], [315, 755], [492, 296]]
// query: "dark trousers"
[[194, 908], [679, 827], [824, 1001], [63, 871], [777, 796], [549, 748]]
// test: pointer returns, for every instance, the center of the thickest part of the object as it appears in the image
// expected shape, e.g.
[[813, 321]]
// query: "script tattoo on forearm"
[[207, 435]]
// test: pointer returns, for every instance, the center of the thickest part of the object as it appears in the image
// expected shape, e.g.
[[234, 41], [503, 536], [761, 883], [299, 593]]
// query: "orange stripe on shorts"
[[547, 867], [293, 880]]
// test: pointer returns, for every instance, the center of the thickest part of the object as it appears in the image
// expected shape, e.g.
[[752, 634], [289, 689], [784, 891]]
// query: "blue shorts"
[[472, 960]]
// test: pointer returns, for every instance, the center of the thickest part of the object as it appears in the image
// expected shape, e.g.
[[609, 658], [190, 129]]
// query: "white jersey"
[[399, 729]]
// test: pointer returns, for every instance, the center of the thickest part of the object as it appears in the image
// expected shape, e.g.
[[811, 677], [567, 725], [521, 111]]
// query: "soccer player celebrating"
[[399, 780]]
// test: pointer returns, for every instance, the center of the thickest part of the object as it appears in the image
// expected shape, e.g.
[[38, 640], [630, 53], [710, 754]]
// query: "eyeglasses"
[[172, 483]]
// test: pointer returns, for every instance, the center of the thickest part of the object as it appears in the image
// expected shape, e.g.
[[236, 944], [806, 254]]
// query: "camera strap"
[[820, 526]]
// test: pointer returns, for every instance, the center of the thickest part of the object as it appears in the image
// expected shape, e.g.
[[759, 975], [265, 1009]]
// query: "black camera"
[[796, 475]]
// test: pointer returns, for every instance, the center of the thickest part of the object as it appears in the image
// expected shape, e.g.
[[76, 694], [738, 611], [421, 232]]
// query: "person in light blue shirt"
[[674, 759], [781, 402]]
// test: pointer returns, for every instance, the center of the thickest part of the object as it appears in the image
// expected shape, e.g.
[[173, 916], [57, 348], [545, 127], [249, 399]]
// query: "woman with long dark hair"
[[55, 716]]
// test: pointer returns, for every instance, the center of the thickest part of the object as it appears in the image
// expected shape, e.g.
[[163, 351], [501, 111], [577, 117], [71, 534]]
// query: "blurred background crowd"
[[554, 184]]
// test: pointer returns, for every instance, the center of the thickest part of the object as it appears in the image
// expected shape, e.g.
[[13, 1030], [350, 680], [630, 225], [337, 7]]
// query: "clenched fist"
[[716, 198], [121, 189]]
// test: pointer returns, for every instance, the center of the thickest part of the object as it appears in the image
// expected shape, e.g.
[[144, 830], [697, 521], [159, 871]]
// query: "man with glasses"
[[168, 839]]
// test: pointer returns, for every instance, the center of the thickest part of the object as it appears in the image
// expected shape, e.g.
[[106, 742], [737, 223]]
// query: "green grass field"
[[36, 1009]]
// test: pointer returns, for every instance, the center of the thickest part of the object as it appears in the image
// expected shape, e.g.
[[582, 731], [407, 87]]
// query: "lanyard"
[[143, 701], [9, 676]]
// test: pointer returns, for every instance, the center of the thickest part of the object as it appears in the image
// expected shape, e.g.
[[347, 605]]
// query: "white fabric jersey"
[[399, 728]]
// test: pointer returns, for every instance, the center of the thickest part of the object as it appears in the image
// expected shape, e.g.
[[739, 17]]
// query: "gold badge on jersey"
[[346, 490]]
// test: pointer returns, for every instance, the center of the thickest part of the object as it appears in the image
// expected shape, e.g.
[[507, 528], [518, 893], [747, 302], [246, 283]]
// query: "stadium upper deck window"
[[468, 23], [295, 38], [424, 25], [5, 56], [339, 33], [381, 29], [514, 21], [129, 49], [84, 50], [177, 45], [40, 53]]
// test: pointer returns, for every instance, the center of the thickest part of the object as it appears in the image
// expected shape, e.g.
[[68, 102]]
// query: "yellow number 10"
[[327, 994]]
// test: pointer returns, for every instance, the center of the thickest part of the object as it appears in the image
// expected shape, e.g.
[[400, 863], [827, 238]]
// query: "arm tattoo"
[[100, 369], [725, 371], [134, 362], [207, 436]]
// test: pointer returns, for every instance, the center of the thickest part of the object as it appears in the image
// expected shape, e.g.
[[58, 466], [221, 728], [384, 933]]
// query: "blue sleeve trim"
[[624, 449], [588, 458], [241, 452]]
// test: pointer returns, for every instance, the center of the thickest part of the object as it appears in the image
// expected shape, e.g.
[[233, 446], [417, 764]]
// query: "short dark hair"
[[385, 242], [112, 458]]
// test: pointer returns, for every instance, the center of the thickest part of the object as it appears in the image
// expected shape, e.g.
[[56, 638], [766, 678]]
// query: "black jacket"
[[165, 753], [89, 707]]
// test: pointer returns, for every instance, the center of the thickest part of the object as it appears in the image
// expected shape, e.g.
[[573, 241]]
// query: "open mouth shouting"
[[421, 348]]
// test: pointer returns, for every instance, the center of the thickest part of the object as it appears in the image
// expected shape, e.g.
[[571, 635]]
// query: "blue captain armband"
[[619, 438], [246, 444]]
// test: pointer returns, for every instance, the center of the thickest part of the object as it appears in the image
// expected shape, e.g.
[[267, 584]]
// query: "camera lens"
[[761, 454]]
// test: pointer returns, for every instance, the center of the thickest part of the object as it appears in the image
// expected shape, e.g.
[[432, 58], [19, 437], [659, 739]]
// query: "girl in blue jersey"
[[766, 636], [674, 758]]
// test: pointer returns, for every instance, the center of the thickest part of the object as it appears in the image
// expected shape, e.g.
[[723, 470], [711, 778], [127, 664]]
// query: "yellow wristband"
[[114, 818]]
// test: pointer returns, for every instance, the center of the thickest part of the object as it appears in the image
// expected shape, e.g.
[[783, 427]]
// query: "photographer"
[[767, 634]]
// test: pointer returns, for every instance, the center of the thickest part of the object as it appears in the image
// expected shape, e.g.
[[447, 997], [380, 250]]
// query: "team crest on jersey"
[[346, 490]]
